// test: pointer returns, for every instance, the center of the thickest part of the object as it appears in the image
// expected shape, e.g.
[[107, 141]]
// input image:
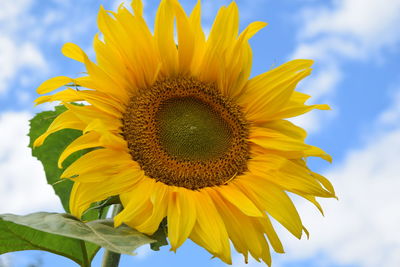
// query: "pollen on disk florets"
[[184, 133]]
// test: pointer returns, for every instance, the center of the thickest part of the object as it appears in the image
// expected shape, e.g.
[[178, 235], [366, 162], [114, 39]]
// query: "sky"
[[356, 48]]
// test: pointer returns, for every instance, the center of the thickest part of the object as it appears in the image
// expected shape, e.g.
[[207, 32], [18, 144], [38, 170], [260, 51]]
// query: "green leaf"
[[161, 236], [121, 240], [52, 148], [17, 237]]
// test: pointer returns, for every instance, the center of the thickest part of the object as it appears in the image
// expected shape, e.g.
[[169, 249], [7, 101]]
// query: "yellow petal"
[[291, 176], [275, 202], [88, 140], [125, 172], [104, 83], [53, 84], [164, 38], [97, 99], [222, 37], [103, 102], [265, 253], [296, 106], [200, 40], [83, 194], [106, 138], [139, 53], [107, 161], [136, 202], [209, 231], [233, 225], [239, 62], [89, 113], [294, 109], [314, 151], [66, 120], [234, 195], [287, 128], [277, 142], [271, 234], [159, 201], [137, 7], [225, 28], [252, 239], [267, 93], [252, 29], [314, 201], [73, 51], [109, 58], [68, 95], [77, 208], [186, 39], [219, 40], [255, 239], [299, 178], [325, 182], [181, 216]]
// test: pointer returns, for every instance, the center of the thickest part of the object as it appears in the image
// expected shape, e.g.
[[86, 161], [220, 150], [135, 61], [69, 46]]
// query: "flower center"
[[189, 129], [184, 133]]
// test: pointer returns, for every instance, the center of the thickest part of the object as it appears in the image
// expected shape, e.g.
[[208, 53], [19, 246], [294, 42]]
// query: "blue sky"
[[356, 48]]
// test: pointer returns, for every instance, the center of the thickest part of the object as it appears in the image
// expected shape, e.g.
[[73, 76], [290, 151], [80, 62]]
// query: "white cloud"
[[352, 28], [392, 115], [24, 32], [143, 252], [5, 260], [13, 8], [336, 31], [17, 54], [62, 27], [15, 57], [23, 185], [368, 24], [22, 259]]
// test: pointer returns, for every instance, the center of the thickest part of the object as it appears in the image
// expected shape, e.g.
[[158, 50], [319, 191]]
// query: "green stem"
[[86, 262], [111, 259]]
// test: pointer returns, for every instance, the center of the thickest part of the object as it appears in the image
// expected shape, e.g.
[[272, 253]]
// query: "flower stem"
[[111, 259], [86, 262]]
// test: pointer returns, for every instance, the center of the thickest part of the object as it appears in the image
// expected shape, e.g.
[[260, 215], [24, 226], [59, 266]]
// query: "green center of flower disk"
[[184, 133], [190, 130]]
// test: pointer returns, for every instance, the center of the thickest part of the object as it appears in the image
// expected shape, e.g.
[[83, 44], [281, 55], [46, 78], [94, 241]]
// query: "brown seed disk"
[[147, 118]]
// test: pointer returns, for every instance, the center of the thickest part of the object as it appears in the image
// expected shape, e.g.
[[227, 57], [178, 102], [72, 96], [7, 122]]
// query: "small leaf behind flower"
[[123, 239], [50, 151], [101, 207], [161, 236]]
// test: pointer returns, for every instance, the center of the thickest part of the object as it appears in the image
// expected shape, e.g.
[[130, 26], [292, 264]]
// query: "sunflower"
[[182, 132]]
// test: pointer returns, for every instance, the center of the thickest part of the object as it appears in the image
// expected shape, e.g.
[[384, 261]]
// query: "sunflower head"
[[185, 134], [182, 132]]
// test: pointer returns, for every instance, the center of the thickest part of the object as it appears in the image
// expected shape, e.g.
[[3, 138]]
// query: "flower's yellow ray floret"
[[74, 52], [181, 216]]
